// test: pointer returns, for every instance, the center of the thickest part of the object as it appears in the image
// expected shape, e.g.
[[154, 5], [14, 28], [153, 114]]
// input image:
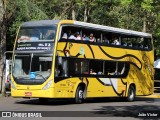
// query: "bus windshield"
[[36, 33], [26, 64]]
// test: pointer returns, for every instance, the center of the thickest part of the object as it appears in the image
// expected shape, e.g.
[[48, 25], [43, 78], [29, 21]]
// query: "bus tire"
[[131, 94], [79, 95]]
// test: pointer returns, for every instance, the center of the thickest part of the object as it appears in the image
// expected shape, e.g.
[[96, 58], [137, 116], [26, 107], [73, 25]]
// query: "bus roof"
[[113, 29], [40, 23], [84, 24]]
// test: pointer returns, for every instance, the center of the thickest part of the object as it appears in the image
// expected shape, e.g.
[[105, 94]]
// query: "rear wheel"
[[79, 95], [131, 94]]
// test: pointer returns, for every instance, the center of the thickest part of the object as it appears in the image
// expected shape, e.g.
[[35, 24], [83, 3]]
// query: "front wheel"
[[131, 94], [79, 95]]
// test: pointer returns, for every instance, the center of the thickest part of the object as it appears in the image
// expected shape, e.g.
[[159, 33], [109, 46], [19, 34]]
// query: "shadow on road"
[[50, 102], [130, 109], [136, 111], [58, 102]]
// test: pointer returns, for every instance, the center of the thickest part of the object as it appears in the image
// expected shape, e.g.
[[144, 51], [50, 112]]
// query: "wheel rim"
[[131, 94], [80, 94]]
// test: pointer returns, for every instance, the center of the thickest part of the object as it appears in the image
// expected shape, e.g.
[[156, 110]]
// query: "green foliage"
[[140, 15], [125, 2], [147, 5], [20, 11]]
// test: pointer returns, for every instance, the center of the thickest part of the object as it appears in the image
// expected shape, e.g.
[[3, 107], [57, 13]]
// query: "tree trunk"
[[86, 12], [73, 14], [144, 24], [3, 45]]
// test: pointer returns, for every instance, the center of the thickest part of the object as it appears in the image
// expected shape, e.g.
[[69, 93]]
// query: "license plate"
[[28, 93]]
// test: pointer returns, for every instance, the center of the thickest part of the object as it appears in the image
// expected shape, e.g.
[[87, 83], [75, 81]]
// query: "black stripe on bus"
[[65, 48], [135, 65], [78, 55], [58, 79], [91, 51], [127, 55], [119, 94], [87, 81], [124, 83], [102, 82], [105, 45]]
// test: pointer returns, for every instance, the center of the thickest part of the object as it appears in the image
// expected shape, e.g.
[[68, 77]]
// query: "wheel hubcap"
[[131, 94], [81, 94]]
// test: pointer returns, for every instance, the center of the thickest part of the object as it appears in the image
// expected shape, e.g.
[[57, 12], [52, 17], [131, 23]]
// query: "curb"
[[151, 96], [8, 94]]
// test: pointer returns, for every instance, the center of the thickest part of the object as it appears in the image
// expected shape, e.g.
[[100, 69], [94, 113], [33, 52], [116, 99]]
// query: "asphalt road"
[[90, 109]]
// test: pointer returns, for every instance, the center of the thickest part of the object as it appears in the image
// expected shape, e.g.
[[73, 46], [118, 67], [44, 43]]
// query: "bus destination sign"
[[29, 46]]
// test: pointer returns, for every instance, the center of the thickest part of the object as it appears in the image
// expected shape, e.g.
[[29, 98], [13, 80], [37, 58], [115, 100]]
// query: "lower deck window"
[[87, 67]]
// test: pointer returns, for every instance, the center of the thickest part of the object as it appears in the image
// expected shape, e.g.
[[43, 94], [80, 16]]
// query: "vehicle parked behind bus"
[[8, 75]]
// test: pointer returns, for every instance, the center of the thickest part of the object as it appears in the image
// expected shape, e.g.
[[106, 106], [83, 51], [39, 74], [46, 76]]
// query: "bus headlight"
[[47, 85], [12, 85]]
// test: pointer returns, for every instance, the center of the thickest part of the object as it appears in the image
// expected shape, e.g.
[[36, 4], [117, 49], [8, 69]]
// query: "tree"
[[129, 14], [3, 43], [19, 11], [13, 13]]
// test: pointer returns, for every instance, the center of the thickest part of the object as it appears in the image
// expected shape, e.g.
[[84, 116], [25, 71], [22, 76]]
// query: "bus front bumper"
[[49, 93]]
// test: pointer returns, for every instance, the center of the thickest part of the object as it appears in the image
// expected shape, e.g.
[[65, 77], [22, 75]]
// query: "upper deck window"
[[95, 36], [36, 33]]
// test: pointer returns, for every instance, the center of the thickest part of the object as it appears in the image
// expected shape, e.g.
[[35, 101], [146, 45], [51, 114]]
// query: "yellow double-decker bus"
[[79, 60]]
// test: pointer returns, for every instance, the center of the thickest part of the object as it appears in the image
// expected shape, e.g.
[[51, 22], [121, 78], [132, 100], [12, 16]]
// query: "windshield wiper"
[[42, 76], [23, 77]]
